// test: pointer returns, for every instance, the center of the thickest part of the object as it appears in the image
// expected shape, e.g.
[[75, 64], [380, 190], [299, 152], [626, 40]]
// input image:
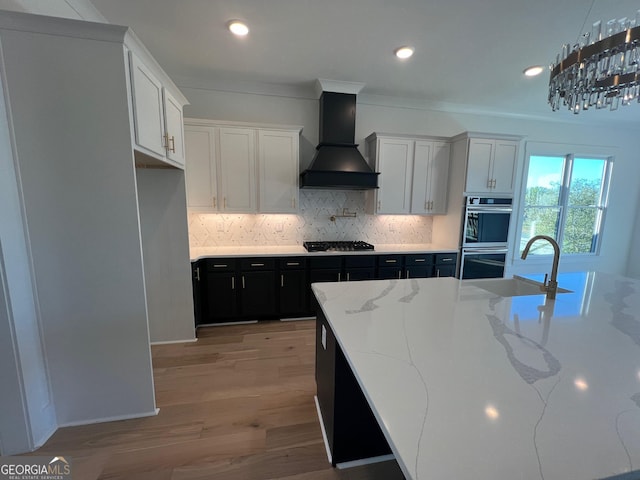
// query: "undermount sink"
[[512, 287]]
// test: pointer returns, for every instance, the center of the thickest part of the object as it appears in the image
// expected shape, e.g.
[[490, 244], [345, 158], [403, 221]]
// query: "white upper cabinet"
[[413, 175], [278, 165], [395, 164], [236, 149], [201, 170], [491, 165], [430, 178], [174, 125], [157, 115], [241, 168]]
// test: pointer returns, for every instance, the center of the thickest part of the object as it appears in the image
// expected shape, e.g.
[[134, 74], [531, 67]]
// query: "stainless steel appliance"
[[340, 246], [485, 233]]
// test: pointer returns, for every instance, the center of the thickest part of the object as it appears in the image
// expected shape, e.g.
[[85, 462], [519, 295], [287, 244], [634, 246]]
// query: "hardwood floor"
[[236, 405]]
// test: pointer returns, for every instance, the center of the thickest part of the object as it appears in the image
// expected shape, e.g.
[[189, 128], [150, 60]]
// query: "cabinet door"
[[479, 165], [236, 152], [174, 129], [197, 283], [395, 164], [504, 166], [424, 271], [439, 178], [293, 292], [421, 186], [200, 168], [353, 274], [258, 294], [221, 297], [148, 112], [278, 166]]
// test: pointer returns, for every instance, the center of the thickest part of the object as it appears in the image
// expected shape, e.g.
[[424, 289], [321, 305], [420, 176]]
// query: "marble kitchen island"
[[465, 384]]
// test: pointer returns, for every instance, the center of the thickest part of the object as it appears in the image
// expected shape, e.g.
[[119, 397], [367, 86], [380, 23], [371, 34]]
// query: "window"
[[565, 198]]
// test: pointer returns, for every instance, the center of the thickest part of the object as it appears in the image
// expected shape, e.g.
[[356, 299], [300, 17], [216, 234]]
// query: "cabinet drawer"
[[328, 261], [446, 258], [419, 260], [293, 263], [257, 264], [390, 260], [359, 261], [221, 264]]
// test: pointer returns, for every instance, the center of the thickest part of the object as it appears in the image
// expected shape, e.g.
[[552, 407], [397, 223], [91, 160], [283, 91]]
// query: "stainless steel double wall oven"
[[485, 233]]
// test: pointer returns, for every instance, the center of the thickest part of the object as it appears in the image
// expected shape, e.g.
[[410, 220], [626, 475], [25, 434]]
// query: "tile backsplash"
[[311, 223]]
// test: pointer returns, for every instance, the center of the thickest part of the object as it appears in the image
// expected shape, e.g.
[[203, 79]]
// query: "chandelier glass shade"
[[602, 71]]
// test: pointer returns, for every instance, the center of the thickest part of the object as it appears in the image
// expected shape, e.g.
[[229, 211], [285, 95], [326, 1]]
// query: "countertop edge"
[[198, 253]]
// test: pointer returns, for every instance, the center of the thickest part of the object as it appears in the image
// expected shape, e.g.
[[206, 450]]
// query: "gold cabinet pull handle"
[[243, 285], [281, 280], [233, 283], [390, 261], [198, 274], [257, 264], [172, 141]]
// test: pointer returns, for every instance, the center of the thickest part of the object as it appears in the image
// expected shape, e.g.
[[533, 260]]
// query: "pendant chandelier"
[[601, 70]]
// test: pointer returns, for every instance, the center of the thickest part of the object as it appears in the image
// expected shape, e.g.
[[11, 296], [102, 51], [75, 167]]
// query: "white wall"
[[76, 9], [165, 246], [382, 115], [27, 415]]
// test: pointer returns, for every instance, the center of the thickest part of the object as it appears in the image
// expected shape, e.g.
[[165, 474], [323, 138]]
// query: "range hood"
[[337, 163]]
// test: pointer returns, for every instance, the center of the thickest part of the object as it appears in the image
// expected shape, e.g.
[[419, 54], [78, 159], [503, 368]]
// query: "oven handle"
[[487, 251], [476, 209]]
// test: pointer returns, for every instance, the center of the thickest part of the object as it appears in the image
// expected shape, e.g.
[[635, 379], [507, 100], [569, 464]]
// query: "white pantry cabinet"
[[157, 115], [413, 174], [241, 168], [491, 165]]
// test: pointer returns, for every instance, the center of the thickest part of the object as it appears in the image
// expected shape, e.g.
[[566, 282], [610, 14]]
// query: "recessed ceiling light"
[[238, 28], [533, 71], [404, 52]]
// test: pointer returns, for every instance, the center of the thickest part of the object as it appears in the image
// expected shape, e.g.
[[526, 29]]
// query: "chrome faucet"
[[552, 286]]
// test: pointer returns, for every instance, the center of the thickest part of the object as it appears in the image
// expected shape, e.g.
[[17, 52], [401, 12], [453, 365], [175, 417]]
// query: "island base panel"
[[352, 430]]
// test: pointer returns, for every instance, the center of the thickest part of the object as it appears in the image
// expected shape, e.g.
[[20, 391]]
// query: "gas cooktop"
[[337, 246]]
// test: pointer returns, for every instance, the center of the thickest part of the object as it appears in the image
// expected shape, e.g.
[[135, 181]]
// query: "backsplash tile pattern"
[[312, 223]]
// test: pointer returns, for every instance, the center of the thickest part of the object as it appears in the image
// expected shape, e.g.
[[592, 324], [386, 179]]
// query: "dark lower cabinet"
[[220, 292], [254, 288], [293, 287], [445, 264], [351, 428], [359, 267]]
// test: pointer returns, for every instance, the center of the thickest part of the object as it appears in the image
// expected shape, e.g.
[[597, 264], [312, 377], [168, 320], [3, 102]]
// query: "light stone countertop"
[[197, 253], [470, 385]]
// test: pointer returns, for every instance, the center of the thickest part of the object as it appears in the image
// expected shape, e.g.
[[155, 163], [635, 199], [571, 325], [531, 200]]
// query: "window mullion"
[[563, 201]]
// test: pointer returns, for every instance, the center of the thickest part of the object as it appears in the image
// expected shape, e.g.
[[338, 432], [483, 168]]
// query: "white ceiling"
[[470, 54]]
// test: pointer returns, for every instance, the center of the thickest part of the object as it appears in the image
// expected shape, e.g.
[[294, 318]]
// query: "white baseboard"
[[245, 322], [324, 433], [168, 342], [115, 418], [296, 319]]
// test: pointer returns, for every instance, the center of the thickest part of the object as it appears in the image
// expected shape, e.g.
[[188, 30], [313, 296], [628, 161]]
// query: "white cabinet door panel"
[[148, 109], [200, 169], [174, 129], [504, 166], [479, 165], [278, 166], [439, 178], [395, 164], [420, 192], [236, 150]]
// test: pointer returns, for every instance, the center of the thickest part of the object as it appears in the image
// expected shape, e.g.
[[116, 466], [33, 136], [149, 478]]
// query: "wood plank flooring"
[[235, 405]]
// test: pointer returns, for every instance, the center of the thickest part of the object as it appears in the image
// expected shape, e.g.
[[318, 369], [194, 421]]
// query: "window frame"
[[569, 153]]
